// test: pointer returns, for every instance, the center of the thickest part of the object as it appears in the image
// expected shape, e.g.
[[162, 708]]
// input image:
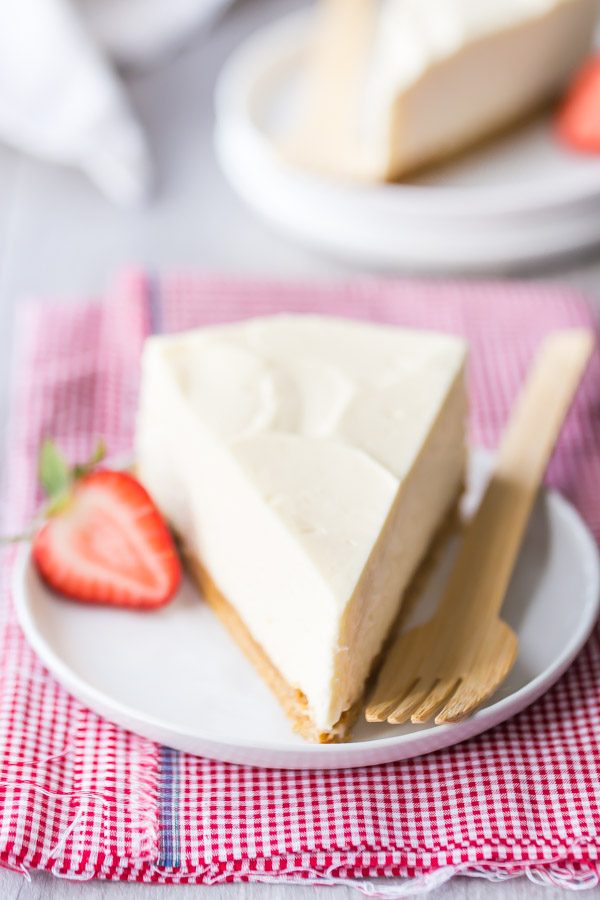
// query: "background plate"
[[175, 676], [520, 200]]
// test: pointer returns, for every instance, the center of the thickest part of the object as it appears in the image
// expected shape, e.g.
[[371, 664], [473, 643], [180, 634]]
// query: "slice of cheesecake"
[[306, 463], [394, 85]]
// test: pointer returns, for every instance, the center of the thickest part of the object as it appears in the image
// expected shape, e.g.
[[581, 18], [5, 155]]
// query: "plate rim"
[[354, 752], [284, 37]]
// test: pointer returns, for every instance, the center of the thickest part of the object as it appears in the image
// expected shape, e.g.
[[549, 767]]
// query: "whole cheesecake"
[[306, 464], [395, 85]]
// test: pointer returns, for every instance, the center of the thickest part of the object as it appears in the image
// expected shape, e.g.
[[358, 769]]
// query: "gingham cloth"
[[82, 798]]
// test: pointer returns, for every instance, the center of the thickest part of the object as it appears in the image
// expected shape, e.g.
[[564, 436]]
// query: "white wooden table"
[[44, 887], [59, 237]]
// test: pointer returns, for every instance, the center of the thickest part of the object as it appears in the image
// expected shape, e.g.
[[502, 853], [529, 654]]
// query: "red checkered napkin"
[[83, 798]]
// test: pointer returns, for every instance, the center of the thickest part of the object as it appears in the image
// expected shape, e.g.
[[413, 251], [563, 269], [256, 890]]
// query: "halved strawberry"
[[578, 119], [104, 541]]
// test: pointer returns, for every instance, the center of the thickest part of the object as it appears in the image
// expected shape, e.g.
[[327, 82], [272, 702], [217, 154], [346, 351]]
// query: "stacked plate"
[[517, 201]]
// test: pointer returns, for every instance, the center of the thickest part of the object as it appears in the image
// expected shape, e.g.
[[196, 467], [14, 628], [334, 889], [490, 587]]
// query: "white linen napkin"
[[60, 97]]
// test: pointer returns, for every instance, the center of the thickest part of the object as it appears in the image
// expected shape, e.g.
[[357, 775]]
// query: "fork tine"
[[469, 695], [439, 694], [403, 709], [498, 651], [465, 700], [378, 712]]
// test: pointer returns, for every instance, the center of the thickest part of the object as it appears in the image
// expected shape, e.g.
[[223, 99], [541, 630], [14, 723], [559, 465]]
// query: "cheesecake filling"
[[307, 462]]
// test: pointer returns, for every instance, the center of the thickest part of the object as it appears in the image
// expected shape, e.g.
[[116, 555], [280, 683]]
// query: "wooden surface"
[[59, 237]]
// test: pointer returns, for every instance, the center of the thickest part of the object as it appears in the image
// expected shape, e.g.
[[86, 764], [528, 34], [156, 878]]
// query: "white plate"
[[520, 200], [175, 676]]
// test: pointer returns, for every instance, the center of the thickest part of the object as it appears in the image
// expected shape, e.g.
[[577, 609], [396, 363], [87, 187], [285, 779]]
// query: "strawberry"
[[578, 119], [103, 541]]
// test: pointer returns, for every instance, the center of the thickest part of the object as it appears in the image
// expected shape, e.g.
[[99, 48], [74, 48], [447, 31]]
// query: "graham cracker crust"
[[292, 700]]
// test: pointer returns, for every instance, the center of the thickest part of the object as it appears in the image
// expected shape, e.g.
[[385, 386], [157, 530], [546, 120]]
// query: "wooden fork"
[[458, 658]]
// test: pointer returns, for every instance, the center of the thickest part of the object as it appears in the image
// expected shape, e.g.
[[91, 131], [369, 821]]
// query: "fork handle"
[[493, 537]]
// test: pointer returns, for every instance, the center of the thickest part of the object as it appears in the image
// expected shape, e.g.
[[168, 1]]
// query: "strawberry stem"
[[16, 538]]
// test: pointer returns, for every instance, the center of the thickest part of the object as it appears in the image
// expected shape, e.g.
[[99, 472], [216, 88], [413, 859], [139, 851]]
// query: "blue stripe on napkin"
[[168, 803]]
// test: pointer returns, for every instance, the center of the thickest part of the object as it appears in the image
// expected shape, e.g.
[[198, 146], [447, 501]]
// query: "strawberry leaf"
[[97, 456], [58, 503], [54, 472]]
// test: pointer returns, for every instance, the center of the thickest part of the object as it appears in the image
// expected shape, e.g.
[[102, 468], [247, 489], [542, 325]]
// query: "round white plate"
[[175, 676], [520, 200]]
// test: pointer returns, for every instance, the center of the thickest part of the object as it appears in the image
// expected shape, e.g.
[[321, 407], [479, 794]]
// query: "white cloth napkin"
[[60, 97]]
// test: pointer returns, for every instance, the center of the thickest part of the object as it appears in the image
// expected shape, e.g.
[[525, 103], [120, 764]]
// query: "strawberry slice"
[[578, 119], [104, 540]]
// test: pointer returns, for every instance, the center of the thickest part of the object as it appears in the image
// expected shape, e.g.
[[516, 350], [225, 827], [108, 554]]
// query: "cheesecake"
[[306, 464], [395, 85]]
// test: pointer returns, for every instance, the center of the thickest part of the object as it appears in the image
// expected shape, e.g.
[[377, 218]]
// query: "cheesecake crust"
[[292, 699]]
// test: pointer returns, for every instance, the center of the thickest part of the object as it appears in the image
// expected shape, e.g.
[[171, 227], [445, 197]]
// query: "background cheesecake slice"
[[393, 85], [306, 463]]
